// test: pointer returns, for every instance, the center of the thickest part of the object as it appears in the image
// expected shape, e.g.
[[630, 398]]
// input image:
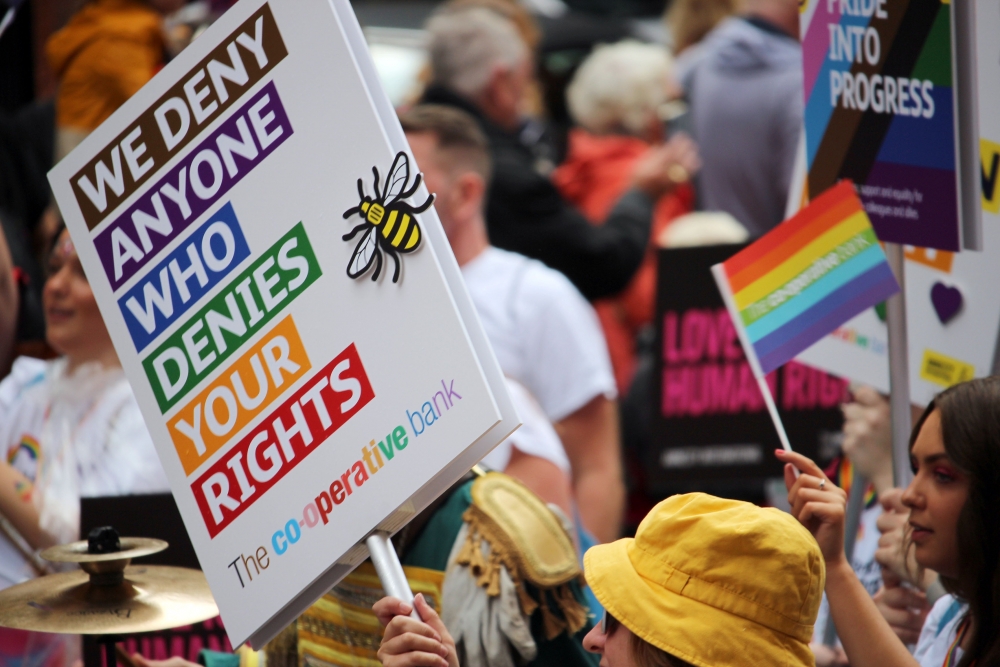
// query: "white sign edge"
[[509, 421]]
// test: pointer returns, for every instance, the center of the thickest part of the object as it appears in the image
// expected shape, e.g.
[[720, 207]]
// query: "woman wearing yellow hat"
[[706, 581]]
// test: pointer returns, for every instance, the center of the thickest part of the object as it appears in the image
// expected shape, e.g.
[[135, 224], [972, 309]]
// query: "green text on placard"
[[232, 317]]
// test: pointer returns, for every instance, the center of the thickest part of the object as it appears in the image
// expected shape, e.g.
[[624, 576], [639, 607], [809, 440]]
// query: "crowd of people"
[[691, 143]]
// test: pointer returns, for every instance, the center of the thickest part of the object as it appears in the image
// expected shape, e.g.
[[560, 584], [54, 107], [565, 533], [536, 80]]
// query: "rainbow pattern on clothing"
[[25, 457], [28, 445], [805, 278]]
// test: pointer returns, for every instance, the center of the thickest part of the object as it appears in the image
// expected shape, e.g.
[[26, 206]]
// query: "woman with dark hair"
[[954, 501]]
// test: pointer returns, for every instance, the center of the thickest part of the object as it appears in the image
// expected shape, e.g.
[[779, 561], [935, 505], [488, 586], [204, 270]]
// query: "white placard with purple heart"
[[952, 308], [953, 316]]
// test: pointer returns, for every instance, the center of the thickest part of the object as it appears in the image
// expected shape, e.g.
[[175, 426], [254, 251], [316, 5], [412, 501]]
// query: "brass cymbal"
[[76, 552], [148, 598]]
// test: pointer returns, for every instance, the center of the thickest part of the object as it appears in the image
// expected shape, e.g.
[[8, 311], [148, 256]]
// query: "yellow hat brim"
[[688, 629]]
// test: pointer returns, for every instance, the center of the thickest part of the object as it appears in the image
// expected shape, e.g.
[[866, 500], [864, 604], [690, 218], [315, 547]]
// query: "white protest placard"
[[952, 315], [952, 302], [286, 308]]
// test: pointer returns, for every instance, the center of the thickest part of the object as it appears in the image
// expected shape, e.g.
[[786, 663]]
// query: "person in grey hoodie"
[[744, 86]]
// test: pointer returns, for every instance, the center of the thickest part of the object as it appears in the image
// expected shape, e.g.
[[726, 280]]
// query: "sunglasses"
[[608, 623]]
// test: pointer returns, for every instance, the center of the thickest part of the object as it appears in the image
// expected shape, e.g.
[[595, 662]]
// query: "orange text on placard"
[[940, 260], [243, 390]]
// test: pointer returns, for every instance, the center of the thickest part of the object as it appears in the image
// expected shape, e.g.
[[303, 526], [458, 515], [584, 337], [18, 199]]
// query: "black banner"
[[710, 427]]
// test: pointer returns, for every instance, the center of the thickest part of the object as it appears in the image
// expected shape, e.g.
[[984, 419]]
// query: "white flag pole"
[[719, 273], [765, 390]]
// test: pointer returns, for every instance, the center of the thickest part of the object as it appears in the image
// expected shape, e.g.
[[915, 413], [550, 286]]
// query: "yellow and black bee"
[[388, 222]]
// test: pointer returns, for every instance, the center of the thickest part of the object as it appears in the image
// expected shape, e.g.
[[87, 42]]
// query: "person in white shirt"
[[942, 627], [534, 454], [69, 428], [544, 333], [953, 503]]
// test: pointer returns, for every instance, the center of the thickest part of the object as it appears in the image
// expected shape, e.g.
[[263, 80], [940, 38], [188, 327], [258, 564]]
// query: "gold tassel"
[[483, 579], [487, 575], [493, 577], [477, 564], [465, 553]]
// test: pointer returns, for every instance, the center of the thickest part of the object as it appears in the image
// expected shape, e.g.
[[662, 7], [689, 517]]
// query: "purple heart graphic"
[[947, 301]]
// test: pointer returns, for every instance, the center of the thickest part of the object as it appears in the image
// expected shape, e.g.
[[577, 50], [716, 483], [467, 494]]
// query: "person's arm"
[[526, 214], [543, 477], [820, 506], [868, 438], [536, 222], [17, 507], [591, 438], [784, 145]]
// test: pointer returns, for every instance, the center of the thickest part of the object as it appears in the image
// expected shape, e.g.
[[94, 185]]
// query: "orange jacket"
[[107, 51], [596, 172]]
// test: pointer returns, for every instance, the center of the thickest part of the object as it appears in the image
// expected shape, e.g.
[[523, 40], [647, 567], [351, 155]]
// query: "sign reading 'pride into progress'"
[[264, 320]]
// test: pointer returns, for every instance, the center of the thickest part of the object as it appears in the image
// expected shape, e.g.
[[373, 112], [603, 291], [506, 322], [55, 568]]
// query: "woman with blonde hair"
[[615, 98]]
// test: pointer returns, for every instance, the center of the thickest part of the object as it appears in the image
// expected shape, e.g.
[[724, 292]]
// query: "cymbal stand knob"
[[105, 540]]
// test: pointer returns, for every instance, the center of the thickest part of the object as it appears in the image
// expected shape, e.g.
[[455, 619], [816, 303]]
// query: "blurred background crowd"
[[613, 128], [566, 141]]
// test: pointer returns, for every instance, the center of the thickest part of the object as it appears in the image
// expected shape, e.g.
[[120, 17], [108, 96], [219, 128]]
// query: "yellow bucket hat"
[[714, 582]]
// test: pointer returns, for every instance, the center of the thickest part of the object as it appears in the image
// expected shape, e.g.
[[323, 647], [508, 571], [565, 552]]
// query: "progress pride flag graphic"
[[282, 440]]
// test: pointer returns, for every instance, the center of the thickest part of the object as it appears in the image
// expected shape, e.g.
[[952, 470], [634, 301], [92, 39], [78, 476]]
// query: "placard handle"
[[389, 569], [899, 370]]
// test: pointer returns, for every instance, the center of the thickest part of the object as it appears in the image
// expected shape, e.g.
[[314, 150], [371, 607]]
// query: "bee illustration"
[[388, 224]]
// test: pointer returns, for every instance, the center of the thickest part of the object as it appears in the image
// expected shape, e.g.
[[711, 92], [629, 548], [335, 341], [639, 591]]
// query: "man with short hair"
[[744, 85], [545, 335], [480, 64]]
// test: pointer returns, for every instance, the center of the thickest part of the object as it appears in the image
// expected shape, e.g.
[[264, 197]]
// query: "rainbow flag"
[[805, 278]]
